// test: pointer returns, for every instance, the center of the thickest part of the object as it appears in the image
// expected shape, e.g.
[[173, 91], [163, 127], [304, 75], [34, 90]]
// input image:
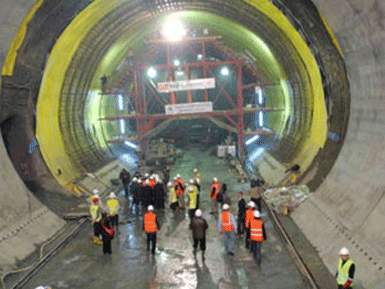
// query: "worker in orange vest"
[[249, 216], [214, 191], [257, 235], [227, 226], [150, 226], [179, 189]]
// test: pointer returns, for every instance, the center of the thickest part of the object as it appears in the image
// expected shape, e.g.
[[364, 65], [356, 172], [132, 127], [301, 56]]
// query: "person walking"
[[96, 217], [257, 236], [135, 191], [192, 201], [125, 177], [345, 270], [179, 189], [113, 210], [227, 226], [249, 216], [159, 193], [241, 213], [107, 233], [214, 191], [150, 226], [173, 198], [199, 226]]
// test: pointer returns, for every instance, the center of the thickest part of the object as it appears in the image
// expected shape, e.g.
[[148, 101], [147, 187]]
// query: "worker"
[[135, 191], [150, 226], [173, 198], [179, 188], [95, 193], [147, 194], [192, 201], [196, 174], [241, 213], [159, 193], [249, 216], [152, 181], [257, 236], [214, 191], [228, 227], [113, 210], [166, 175], [96, 216], [345, 270], [125, 178], [107, 232], [199, 226]]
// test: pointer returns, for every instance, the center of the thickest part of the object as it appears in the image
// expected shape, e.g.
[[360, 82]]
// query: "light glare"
[[251, 140], [174, 30], [225, 71], [151, 72]]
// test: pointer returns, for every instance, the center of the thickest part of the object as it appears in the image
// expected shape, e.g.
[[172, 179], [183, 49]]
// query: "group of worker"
[[149, 193]]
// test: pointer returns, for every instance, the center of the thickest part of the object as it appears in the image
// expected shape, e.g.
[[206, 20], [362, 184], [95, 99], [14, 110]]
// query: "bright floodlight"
[[174, 30], [200, 56], [251, 140], [176, 62], [120, 102], [225, 71], [256, 154], [130, 144], [151, 72]]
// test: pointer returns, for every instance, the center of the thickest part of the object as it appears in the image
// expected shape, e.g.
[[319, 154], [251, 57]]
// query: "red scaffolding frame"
[[146, 121]]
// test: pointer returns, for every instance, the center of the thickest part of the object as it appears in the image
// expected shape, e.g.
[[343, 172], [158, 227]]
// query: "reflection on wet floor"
[[81, 264]]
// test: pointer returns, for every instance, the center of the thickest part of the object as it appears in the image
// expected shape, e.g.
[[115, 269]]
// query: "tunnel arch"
[[343, 185]]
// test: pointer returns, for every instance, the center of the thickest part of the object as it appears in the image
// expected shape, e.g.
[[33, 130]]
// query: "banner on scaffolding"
[[193, 107], [193, 84]]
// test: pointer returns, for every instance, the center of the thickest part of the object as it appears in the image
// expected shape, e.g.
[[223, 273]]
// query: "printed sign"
[[193, 107], [193, 84]]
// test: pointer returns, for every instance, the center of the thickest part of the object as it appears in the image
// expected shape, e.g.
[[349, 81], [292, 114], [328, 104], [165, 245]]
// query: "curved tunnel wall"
[[350, 200]]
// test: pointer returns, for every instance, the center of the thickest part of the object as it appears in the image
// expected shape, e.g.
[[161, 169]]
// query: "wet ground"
[[81, 264]]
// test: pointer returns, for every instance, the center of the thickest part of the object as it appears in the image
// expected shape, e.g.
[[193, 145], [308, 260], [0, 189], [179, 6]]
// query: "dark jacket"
[[242, 208], [199, 226]]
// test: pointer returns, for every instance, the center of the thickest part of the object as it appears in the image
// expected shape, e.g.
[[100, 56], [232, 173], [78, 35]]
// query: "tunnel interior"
[[286, 48]]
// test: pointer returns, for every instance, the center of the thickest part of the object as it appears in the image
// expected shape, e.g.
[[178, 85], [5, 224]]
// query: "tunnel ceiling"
[[99, 36]]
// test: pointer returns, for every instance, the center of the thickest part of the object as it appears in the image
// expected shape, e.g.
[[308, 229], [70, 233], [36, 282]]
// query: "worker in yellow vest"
[[192, 201], [257, 235], [113, 210], [150, 226], [96, 217], [227, 226], [172, 196], [346, 270]]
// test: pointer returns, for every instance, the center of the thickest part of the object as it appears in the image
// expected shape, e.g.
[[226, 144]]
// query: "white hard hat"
[[215, 179], [198, 213], [256, 214], [147, 182], [190, 189], [195, 170], [178, 176], [96, 191], [198, 181], [135, 179], [226, 207], [146, 175], [152, 177], [251, 204], [112, 195], [344, 251], [150, 208], [191, 182], [169, 184], [175, 178]]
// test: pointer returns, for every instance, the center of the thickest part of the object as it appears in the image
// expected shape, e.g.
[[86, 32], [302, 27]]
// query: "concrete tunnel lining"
[[360, 175]]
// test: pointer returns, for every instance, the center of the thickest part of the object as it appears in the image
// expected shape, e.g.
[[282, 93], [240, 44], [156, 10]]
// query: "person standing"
[[214, 191], [173, 198], [135, 191], [249, 216], [179, 188], [257, 236], [241, 213], [159, 194], [107, 233], [96, 217], [150, 226], [199, 226], [113, 210], [227, 226], [125, 178], [345, 270], [192, 201]]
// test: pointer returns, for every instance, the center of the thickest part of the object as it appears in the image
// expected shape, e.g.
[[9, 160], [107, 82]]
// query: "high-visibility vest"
[[152, 183], [150, 222], [144, 183], [193, 200], [249, 216], [256, 233], [180, 186], [96, 214], [217, 187], [227, 225], [173, 196], [113, 206], [343, 271]]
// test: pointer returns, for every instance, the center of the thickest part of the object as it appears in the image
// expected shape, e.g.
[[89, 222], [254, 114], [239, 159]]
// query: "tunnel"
[[312, 77]]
